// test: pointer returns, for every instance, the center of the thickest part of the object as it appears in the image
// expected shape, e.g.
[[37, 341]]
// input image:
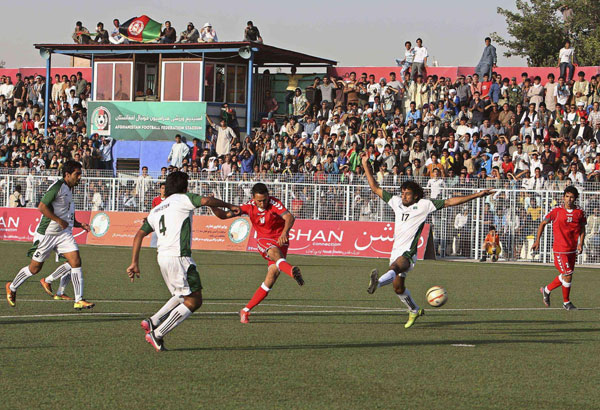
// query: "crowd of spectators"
[[469, 129]]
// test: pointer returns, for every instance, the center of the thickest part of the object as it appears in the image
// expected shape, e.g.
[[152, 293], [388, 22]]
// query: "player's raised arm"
[[364, 157], [133, 271], [458, 200]]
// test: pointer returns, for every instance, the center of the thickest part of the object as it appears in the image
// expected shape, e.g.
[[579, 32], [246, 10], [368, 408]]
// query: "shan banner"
[[141, 120], [344, 238], [18, 224]]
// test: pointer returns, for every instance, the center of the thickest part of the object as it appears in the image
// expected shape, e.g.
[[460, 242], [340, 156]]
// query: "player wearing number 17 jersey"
[[272, 223], [568, 227], [172, 221], [411, 211]]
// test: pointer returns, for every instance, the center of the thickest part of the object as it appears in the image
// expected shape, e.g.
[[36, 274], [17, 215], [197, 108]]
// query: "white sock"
[[386, 278], [164, 311], [546, 289], [64, 281], [408, 301], [21, 277], [77, 278], [61, 271], [177, 315]]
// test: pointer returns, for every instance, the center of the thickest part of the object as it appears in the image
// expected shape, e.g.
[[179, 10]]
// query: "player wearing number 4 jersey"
[[172, 222], [411, 211], [568, 227], [55, 233], [272, 222]]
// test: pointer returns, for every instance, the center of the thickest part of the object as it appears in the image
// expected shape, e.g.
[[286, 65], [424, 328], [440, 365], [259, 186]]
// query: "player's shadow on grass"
[[328, 346]]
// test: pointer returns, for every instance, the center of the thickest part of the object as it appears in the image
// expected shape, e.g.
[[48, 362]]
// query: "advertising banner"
[[308, 237], [142, 120], [115, 228], [344, 238], [18, 224], [208, 232], [212, 233]]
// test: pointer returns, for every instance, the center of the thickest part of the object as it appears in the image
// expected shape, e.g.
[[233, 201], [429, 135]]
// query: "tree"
[[537, 32], [539, 29]]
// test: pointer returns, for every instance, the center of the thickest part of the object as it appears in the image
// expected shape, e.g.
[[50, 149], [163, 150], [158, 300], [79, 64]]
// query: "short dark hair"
[[70, 166], [259, 188], [250, 23], [414, 187], [176, 183], [488, 39], [572, 190]]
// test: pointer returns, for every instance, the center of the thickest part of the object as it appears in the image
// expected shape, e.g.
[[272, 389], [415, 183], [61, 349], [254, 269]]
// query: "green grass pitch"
[[325, 345]]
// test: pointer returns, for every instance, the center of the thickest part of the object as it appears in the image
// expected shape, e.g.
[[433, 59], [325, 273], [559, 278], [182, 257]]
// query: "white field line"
[[210, 303], [283, 312], [365, 308]]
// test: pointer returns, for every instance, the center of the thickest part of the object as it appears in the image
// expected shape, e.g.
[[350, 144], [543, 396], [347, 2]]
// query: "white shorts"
[[180, 274], [43, 245], [396, 253]]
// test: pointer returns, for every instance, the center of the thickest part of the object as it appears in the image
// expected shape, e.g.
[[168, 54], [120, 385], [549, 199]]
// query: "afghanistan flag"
[[141, 29]]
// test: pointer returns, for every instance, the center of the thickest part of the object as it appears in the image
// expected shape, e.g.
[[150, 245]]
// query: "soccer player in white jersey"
[[172, 221], [55, 233], [411, 211]]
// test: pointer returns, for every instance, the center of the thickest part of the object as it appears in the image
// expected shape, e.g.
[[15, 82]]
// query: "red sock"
[[554, 284], [285, 267], [258, 297], [566, 290]]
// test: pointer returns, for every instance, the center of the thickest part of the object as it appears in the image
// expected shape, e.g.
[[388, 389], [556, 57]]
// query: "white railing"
[[515, 212]]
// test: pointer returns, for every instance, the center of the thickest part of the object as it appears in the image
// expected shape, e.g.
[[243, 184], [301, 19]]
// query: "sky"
[[354, 33]]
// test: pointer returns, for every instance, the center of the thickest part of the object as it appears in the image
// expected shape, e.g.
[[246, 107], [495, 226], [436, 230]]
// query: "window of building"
[[181, 80], [225, 83], [113, 81]]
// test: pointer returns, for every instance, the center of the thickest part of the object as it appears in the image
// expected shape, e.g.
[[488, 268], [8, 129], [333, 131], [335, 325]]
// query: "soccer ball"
[[437, 296]]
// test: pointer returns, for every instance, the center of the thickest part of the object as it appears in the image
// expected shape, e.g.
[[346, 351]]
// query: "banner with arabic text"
[[18, 224], [148, 121]]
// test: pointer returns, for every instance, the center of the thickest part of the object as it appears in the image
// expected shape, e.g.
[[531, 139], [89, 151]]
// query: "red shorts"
[[565, 262], [264, 244]]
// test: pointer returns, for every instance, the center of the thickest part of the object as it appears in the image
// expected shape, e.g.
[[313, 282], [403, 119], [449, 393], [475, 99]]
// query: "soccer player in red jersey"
[[272, 222], [569, 232], [157, 200]]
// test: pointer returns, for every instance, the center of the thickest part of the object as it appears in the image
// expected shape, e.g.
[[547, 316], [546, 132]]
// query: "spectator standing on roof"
[[251, 33], [208, 34], [488, 59], [420, 60]]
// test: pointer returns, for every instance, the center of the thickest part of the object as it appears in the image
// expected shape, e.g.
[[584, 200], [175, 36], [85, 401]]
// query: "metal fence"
[[457, 231]]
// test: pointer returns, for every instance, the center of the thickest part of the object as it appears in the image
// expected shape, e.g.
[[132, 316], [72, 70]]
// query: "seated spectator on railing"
[[208, 34], [81, 35], [101, 34], [16, 199], [190, 35], [251, 33], [168, 35]]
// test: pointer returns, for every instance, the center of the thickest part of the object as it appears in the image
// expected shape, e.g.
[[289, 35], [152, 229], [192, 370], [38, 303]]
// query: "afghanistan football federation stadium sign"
[[147, 120]]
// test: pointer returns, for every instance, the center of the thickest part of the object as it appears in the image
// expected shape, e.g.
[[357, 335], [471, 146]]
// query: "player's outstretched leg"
[[74, 262], [182, 311], [60, 293], [261, 293], [566, 290], [159, 317], [376, 281], [400, 266], [549, 288], [59, 273], [25, 273]]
